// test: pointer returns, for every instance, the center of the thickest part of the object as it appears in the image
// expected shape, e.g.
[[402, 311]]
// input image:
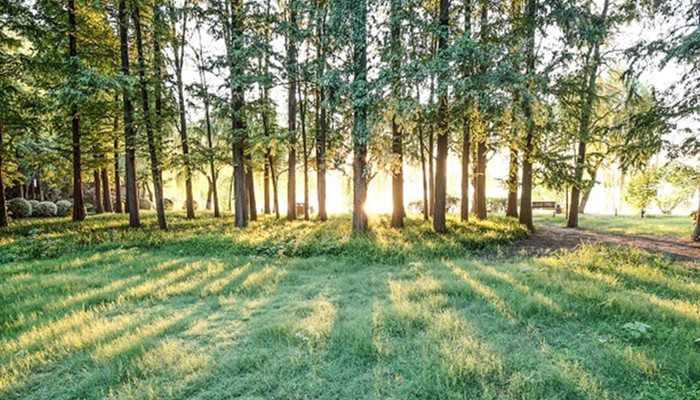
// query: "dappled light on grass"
[[184, 320]]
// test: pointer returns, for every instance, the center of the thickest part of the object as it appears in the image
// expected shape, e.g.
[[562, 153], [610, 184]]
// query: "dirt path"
[[550, 238]]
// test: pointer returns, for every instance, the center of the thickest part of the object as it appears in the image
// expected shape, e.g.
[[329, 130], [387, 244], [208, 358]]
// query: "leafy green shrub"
[[45, 209], [168, 204], [145, 204], [63, 208], [90, 208], [636, 330], [496, 204], [19, 208], [34, 204]]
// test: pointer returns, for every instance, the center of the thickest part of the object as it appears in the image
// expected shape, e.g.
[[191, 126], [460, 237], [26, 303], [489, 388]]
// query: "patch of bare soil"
[[549, 239]]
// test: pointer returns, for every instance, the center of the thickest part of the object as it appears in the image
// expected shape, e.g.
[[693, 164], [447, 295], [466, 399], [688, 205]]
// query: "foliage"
[[63, 208], [677, 186], [34, 204], [19, 208], [45, 209], [145, 204], [642, 188]]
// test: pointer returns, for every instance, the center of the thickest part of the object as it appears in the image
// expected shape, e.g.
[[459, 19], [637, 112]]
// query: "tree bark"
[[512, 204], [360, 134], [466, 152], [291, 115], [426, 211], [526, 184], [695, 236], [4, 221], [266, 187], [250, 189], [106, 195], [98, 191], [305, 153], [398, 211], [443, 126], [431, 171], [145, 106], [587, 192], [78, 201], [480, 189], [118, 205], [321, 116]]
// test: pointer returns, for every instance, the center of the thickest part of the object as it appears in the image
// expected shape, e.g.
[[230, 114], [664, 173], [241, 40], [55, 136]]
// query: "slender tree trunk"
[[209, 193], [250, 190], [512, 204], [529, 22], [321, 116], [291, 115], [106, 195], [305, 155], [360, 133], [129, 132], [695, 236], [78, 201], [145, 106], [466, 152], [481, 180], [273, 176], [398, 211], [426, 211], [589, 97], [98, 191], [266, 187], [431, 171], [118, 207], [443, 129], [4, 221]]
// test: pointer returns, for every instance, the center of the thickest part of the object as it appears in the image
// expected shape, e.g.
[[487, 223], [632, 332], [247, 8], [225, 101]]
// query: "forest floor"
[[305, 310], [550, 238]]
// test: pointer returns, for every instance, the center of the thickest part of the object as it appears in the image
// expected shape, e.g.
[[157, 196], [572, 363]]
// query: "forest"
[[344, 199]]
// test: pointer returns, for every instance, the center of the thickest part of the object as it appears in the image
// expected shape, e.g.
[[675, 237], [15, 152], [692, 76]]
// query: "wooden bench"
[[547, 205]]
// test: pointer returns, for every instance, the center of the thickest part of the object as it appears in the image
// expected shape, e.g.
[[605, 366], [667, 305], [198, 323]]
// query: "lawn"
[[208, 312], [666, 225]]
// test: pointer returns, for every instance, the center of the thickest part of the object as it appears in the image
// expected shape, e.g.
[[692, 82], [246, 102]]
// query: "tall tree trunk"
[[98, 191], [321, 114], [237, 102], [291, 114], [443, 129], [398, 211], [118, 205], [512, 204], [129, 132], [145, 106], [250, 189], [273, 176], [466, 152], [78, 201], [360, 133], [106, 195], [209, 192], [431, 170], [529, 22], [266, 187], [695, 236], [589, 97], [4, 221], [179, 53], [426, 205], [305, 154], [480, 188]]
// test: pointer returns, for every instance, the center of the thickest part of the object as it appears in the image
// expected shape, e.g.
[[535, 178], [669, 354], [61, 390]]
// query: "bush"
[[90, 208], [496, 205], [34, 204], [145, 204], [45, 209], [63, 208], [19, 208], [168, 204]]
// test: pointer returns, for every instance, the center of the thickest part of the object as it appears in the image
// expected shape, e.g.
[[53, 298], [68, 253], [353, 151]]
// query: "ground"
[[297, 310]]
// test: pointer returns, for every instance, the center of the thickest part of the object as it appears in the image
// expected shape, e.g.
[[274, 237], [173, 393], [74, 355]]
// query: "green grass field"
[[666, 225], [301, 311]]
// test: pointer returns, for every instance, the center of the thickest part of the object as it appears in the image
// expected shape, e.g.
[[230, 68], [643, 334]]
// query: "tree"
[[395, 21], [360, 99], [443, 123], [292, 111], [132, 200], [78, 202], [642, 188]]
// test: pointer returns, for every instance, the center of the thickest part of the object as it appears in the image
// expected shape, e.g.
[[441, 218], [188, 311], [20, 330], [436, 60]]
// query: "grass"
[[661, 225], [151, 315]]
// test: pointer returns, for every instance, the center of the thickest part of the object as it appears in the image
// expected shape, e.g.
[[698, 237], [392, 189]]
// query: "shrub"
[[145, 204], [90, 208], [19, 208], [34, 204], [168, 204], [45, 209], [63, 208], [496, 204]]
